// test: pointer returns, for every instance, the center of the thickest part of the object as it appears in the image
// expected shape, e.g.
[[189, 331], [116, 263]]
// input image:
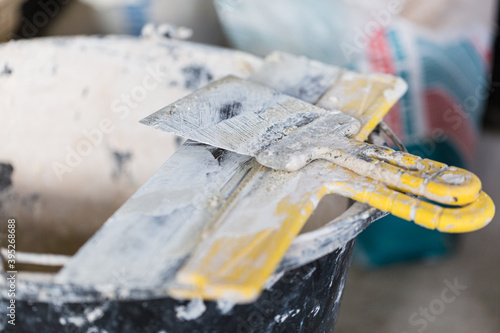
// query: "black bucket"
[[302, 296]]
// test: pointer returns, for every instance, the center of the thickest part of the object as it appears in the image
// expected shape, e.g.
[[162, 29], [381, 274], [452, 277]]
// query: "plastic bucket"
[[298, 299], [302, 296]]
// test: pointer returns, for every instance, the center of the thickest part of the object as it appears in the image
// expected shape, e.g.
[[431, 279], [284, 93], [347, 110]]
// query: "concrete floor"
[[390, 300]]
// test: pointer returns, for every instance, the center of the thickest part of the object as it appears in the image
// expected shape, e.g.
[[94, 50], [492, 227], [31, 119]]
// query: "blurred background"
[[444, 49]]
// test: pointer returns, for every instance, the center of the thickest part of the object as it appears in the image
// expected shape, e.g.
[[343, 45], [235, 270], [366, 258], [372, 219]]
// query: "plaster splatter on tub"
[[194, 309]]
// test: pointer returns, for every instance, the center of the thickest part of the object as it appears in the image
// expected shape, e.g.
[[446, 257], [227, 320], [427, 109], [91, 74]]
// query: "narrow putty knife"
[[285, 133]]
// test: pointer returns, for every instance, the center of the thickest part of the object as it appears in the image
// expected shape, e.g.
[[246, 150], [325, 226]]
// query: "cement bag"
[[441, 47]]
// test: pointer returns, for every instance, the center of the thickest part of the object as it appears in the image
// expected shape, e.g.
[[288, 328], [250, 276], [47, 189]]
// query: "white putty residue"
[[453, 178], [194, 309], [225, 306], [78, 321], [95, 329], [94, 314], [316, 310], [413, 212], [281, 318]]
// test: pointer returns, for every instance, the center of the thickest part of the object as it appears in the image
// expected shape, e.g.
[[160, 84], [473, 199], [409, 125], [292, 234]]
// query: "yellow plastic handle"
[[224, 267], [236, 268], [471, 217], [431, 179], [409, 173]]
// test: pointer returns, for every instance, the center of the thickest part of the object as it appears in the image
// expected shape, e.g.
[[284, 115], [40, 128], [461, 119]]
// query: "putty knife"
[[230, 263], [206, 205], [285, 133]]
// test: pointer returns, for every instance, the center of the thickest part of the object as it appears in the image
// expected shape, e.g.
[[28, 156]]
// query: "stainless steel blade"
[[246, 117]]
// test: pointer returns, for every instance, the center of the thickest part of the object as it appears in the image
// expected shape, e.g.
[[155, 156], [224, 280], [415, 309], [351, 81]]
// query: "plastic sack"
[[440, 47]]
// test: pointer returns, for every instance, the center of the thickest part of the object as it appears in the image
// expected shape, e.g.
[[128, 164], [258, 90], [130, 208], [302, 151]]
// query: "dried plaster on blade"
[[299, 77], [278, 186], [284, 187], [162, 232], [267, 197], [93, 77], [259, 116], [346, 93]]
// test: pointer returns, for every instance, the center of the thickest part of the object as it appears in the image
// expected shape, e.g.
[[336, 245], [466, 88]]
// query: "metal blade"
[[244, 116]]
